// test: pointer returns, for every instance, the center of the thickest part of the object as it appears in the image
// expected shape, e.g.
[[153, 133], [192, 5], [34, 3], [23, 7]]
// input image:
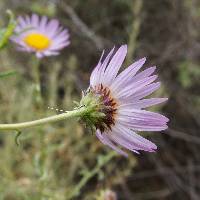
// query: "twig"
[[82, 26], [183, 136]]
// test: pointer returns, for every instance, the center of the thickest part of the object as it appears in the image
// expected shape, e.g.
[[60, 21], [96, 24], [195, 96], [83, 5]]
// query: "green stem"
[[76, 191], [70, 114], [36, 74], [135, 29]]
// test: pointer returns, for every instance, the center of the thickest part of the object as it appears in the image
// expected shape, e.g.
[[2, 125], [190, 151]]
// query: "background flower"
[[40, 35]]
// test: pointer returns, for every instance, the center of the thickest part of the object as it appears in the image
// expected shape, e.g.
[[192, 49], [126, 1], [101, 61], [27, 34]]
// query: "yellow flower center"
[[37, 41]]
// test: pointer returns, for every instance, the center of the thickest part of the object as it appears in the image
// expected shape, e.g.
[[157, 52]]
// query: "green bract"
[[95, 107]]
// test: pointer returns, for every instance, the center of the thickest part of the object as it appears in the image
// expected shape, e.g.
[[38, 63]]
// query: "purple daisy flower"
[[122, 102], [40, 35]]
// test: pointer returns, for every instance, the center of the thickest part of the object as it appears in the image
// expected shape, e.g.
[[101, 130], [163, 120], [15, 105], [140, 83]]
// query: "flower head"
[[40, 35], [120, 100]]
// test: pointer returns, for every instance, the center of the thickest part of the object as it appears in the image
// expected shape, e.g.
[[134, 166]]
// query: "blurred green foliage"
[[5, 33], [7, 73], [188, 73]]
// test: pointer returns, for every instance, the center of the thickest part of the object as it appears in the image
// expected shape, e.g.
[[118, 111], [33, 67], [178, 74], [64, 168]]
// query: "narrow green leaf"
[[5, 33], [17, 138], [7, 73]]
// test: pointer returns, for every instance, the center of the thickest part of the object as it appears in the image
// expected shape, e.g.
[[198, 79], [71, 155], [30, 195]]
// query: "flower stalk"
[[78, 112], [88, 110], [37, 86]]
